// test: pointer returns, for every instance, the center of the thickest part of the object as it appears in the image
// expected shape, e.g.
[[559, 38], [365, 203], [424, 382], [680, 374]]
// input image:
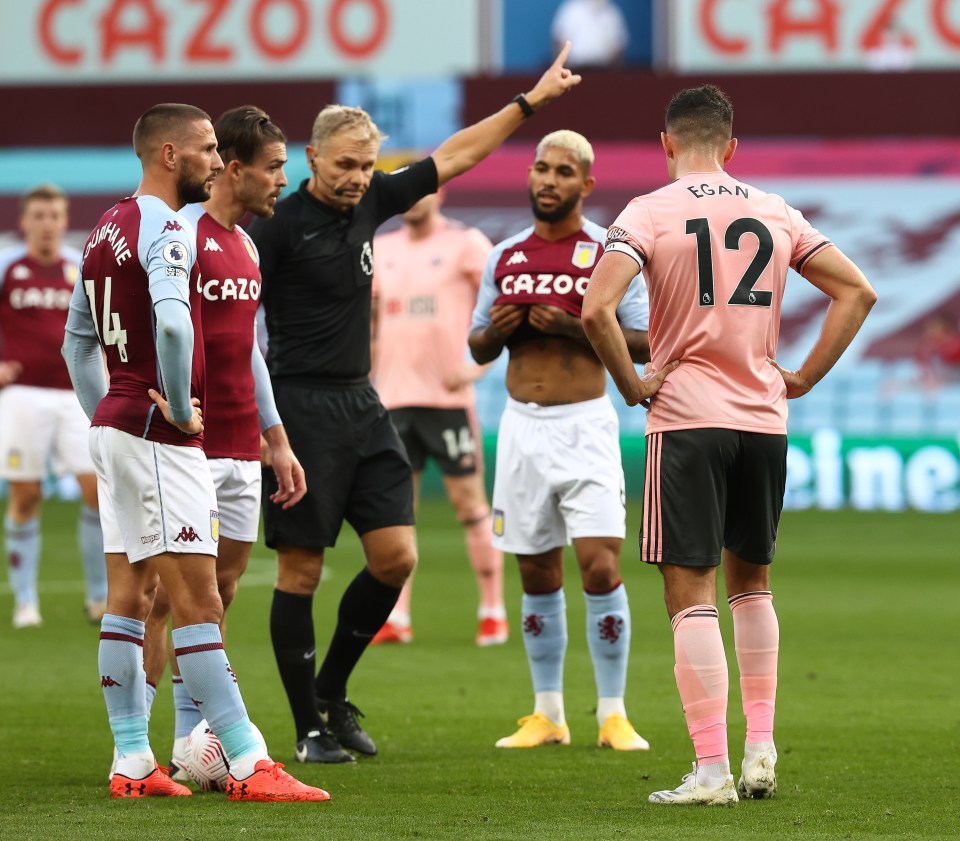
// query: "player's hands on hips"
[[9, 372], [506, 318], [291, 480], [648, 385], [796, 385], [555, 81], [194, 426], [553, 320]]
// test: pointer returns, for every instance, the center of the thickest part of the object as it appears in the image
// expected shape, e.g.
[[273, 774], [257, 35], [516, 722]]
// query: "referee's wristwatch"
[[525, 106]]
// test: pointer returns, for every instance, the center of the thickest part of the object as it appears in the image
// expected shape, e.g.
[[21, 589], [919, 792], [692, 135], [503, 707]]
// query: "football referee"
[[316, 259]]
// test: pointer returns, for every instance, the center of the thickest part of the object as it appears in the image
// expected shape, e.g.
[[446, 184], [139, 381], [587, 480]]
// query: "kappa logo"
[[187, 535], [20, 273], [147, 539], [171, 225], [106, 680], [212, 245], [516, 258], [610, 628]]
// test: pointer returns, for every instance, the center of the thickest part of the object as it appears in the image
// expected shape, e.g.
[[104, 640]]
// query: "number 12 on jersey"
[[744, 294], [113, 333]]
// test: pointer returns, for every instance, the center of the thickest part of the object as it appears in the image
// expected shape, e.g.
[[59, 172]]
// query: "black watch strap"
[[525, 106]]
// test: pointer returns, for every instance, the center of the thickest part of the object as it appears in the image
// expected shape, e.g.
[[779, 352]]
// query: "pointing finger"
[[564, 52]]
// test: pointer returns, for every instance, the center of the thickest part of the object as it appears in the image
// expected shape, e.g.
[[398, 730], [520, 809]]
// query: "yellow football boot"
[[536, 730], [618, 733]]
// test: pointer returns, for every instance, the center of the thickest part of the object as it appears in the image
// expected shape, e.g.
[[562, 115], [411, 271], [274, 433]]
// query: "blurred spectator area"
[[611, 105]]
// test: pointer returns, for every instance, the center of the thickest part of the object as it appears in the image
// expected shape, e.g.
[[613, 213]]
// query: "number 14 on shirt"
[[112, 333]]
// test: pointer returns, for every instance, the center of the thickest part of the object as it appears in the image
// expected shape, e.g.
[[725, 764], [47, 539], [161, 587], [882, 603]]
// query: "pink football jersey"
[[34, 300], [715, 254], [425, 291], [230, 290], [137, 236]]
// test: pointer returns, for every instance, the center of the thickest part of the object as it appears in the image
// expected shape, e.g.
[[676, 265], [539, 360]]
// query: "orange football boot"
[[269, 783], [156, 784]]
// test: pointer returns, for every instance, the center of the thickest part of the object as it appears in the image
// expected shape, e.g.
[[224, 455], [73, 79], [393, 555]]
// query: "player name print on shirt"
[[111, 233]]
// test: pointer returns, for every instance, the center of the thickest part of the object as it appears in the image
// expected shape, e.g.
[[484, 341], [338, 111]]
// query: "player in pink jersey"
[[715, 253], [40, 421], [559, 477], [139, 304], [253, 150], [425, 279]]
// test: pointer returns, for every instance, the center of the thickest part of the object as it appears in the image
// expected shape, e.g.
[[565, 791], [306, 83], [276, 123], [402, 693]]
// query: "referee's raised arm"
[[469, 146]]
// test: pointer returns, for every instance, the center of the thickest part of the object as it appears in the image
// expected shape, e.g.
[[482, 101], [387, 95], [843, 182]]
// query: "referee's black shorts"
[[356, 467], [710, 489]]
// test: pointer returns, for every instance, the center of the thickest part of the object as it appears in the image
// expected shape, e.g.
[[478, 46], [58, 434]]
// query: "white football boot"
[[692, 792], [27, 615], [758, 779]]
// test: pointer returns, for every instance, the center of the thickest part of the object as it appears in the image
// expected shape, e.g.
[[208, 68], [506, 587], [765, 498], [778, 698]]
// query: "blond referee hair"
[[336, 118]]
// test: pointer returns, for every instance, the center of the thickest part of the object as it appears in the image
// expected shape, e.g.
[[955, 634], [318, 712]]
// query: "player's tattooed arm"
[[487, 343]]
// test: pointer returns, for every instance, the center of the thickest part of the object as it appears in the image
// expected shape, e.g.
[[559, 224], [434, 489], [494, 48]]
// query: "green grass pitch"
[[868, 721]]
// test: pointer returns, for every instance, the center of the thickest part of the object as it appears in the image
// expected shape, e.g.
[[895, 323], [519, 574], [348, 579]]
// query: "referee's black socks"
[[364, 608], [295, 647]]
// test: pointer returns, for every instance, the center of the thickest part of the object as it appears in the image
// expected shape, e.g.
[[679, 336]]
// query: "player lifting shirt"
[[558, 475]]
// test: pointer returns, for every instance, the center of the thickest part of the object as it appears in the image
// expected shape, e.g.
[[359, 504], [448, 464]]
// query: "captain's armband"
[[626, 248]]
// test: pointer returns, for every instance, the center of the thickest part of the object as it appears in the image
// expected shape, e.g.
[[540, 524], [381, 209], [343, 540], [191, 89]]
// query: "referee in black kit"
[[316, 259]]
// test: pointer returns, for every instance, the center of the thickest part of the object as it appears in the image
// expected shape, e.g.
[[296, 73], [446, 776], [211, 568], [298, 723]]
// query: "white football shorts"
[[237, 483], [559, 476], [41, 430], [154, 498]]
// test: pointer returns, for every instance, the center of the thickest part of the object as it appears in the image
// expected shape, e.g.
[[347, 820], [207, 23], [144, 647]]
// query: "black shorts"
[[356, 467], [710, 489], [444, 435]]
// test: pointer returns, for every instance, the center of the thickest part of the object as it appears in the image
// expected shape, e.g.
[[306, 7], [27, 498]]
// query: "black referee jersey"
[[317, 269]]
